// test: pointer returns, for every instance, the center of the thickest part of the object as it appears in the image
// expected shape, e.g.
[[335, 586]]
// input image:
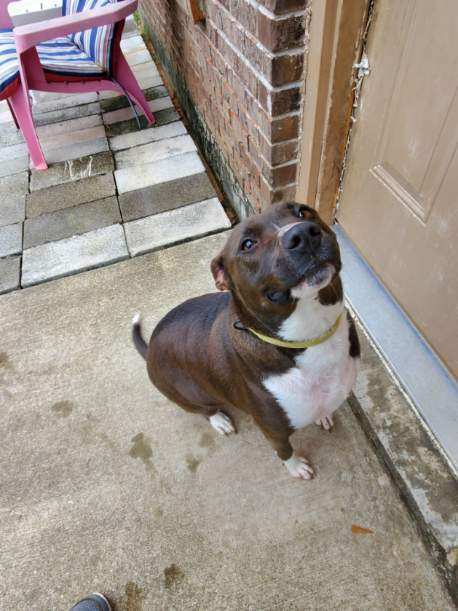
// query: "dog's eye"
[[248, 244], [300, 211], [279, 297]]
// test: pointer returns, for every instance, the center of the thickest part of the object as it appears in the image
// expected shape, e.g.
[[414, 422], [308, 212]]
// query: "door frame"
[[337, 30], [338, 34]]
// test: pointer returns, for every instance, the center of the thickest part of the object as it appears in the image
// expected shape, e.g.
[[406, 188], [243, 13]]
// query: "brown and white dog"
[[277, 343]]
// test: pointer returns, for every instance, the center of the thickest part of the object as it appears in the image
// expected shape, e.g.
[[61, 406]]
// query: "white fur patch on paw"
[[222, 423], [299, 467], [326, 423]]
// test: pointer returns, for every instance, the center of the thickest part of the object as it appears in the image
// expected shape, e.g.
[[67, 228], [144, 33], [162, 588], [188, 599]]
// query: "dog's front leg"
[[278, 436], [326, 423]]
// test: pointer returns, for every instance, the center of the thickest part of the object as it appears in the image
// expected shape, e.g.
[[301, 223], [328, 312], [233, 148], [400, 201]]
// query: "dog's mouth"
[[312, 280], [316, 277], [320, 276]]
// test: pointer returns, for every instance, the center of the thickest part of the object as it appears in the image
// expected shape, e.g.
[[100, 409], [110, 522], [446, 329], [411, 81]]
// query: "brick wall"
[[238, 76]]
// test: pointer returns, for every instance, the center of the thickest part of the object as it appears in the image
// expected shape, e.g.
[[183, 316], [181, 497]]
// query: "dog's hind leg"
[[222, 423], [219, 419]]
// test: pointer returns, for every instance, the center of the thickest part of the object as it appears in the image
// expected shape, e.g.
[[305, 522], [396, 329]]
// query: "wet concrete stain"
[[173, 575], [4, 360], [5, 364], [142, 450], [192, 463], [90, 433], [62, 409], [133, 598], [206, 440]]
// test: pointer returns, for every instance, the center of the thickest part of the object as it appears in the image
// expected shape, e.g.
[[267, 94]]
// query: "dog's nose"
[[303, 237]]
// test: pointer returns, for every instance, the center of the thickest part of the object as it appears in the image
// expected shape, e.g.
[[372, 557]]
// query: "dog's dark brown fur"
[[201, 355], [199, 360]]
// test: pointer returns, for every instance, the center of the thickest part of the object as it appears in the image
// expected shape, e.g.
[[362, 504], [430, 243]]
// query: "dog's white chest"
[[320, 381]]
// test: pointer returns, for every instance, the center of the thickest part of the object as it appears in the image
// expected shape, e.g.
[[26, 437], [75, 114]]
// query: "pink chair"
[[78, 52]]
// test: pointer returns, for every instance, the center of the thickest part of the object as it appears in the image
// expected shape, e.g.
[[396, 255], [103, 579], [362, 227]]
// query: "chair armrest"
[[28, 36], [5, 19]]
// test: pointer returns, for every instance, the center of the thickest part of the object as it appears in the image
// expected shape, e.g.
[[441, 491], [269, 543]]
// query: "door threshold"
[[420, 373]]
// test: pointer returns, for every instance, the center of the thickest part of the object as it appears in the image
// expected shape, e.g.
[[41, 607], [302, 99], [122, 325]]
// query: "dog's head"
[[272, 259]]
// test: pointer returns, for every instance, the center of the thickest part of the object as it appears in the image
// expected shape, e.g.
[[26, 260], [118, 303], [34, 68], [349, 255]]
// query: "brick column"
[[239, 78]]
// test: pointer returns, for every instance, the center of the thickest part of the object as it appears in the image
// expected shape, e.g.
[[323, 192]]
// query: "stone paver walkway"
[[111, 190]]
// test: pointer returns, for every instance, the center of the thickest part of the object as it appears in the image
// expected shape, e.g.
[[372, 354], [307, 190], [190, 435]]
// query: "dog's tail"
[[137, 338]]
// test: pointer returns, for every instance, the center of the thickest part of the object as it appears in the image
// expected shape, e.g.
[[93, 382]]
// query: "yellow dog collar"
[[299, 345]]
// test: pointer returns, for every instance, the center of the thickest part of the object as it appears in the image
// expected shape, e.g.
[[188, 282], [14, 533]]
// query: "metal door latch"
[[363, 70], [362, 67]]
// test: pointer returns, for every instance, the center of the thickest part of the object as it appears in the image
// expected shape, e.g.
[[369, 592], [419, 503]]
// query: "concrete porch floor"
[[107, 486]]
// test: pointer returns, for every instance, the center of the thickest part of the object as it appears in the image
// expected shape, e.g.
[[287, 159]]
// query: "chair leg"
[[12, 114], [125, 77], [21, 110]]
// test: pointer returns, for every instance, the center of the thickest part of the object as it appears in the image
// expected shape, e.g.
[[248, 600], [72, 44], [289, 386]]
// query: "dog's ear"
[[219, 273]]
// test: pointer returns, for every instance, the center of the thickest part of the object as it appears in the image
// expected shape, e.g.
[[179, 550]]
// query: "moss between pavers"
[[152, 93], [56, 116], [69, 194], [72, 221], [168, 115], [72, 170], [201, 133], [165, 196]]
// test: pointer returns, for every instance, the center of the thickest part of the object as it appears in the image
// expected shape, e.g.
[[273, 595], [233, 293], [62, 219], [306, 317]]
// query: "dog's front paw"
[[299, 467], [222, 423], [326, 423]]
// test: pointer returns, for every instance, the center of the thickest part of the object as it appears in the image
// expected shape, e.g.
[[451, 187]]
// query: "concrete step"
[[76, 254]]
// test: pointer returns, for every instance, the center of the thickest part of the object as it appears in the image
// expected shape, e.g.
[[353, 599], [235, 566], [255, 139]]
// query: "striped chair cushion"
[[62, 56], [97, 43], [59, 56], [9, 71]]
